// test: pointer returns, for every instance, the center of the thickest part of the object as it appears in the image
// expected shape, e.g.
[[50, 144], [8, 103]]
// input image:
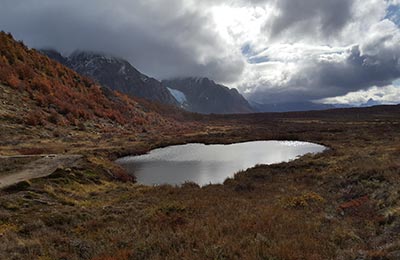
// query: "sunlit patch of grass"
[[307, 199], [59, 197], [7, 227]]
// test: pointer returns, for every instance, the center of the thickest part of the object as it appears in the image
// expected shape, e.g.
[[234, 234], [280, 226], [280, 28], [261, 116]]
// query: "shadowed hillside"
[[54, 94]]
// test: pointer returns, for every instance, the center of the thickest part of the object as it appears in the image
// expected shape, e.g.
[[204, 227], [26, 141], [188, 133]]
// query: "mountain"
[[37, 91], [371, 102], [115, 73], [199, 95], [288, 107], [203, 95], [55, 55]]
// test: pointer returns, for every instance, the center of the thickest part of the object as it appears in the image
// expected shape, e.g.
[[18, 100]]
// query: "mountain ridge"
[[118, 74], [114, 73], [205, 96]]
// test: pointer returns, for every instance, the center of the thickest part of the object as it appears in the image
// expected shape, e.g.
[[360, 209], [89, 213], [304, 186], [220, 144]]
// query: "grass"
[[340, 204]]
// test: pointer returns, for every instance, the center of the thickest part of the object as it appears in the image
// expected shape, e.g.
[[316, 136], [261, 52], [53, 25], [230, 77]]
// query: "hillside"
[[114, 73], [203, 95], [39, 91]]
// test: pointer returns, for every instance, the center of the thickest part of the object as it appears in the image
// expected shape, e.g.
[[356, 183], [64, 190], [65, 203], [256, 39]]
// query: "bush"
[[56, 118], [13, 81], [34, 118], [20, 186], [121, 174], [32, 151], [305, 200]]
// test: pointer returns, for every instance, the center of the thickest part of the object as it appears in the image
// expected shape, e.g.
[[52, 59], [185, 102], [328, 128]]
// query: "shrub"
[[122, 254], [25, 72], [56, 118], [42, 85], [244, 187], [121, 174], [305, 200], [13, 81], [34, 118], [20, 186], [32, 151]]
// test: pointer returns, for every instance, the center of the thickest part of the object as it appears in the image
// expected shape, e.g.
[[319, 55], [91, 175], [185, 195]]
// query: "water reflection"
[[204, 164]]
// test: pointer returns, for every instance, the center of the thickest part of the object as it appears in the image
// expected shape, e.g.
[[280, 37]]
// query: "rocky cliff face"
[[203, 95]]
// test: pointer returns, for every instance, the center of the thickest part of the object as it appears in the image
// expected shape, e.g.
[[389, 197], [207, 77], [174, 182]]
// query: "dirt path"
[[43, 166]]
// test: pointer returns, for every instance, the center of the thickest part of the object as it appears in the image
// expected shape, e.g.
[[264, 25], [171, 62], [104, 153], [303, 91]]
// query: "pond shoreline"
[[210, 163]]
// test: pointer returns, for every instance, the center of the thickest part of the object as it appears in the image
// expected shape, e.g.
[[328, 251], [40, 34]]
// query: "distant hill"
[[290, 107], [115, 73], [203, 95]]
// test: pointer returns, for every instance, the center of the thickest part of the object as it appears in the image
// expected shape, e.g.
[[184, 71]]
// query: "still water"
[[205, 164]]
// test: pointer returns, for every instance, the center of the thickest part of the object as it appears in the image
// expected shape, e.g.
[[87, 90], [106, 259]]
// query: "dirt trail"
[[43, 166]]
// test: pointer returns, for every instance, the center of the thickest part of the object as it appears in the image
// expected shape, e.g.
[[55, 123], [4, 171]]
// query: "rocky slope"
[[115, 73], [203, 95]]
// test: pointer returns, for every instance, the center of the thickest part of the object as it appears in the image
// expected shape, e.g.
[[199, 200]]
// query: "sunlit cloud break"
[[388, 95]]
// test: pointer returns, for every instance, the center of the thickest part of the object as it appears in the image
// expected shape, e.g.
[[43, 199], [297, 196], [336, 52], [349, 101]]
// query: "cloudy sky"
[[332, 51]]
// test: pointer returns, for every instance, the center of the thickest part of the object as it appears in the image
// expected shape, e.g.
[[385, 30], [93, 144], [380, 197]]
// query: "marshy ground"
[[340, 204]]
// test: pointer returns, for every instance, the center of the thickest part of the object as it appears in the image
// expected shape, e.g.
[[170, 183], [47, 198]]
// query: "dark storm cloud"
[[311, 17], [162, 38], [361, 71]]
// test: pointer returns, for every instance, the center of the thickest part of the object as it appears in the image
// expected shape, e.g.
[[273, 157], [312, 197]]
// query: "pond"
[[210, 164]]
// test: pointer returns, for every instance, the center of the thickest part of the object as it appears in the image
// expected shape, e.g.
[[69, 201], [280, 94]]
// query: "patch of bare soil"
[[35, 168]]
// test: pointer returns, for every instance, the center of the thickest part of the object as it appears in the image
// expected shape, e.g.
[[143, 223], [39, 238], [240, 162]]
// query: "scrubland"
[[340, 204]]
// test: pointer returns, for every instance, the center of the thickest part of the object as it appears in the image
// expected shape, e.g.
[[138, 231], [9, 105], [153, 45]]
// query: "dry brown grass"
[[341, 204]]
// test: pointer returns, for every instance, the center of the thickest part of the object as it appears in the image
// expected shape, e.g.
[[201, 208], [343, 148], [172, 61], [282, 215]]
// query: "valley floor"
[[341, 204]]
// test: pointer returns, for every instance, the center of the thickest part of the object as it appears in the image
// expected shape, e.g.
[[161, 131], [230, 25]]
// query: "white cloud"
[[383, 95]]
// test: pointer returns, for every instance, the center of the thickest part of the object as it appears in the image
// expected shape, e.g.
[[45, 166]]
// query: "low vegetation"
[[341, 204]]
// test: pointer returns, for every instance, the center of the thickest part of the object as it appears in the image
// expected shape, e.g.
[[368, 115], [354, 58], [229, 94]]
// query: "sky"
[[272, 51]]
